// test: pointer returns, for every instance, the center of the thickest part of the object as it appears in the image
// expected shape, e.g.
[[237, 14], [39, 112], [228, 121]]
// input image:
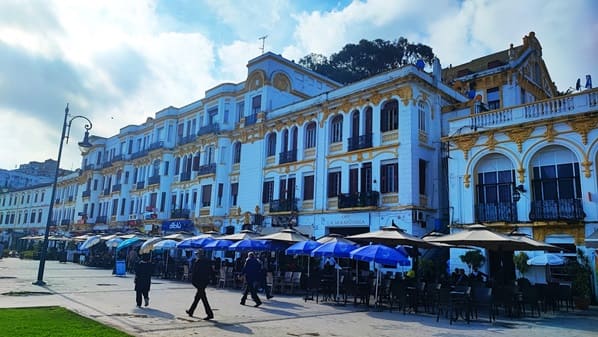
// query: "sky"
[[118, 62]]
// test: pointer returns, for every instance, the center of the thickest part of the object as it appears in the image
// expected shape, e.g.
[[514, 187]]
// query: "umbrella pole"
[[337, 283]]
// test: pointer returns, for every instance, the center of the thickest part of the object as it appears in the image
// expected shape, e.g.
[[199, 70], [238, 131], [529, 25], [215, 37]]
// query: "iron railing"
[[359, 199], [502, 211], [562, 209], [360, 142]]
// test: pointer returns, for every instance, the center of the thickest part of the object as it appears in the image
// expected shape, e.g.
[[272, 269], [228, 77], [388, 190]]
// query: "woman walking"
[[143, 279]]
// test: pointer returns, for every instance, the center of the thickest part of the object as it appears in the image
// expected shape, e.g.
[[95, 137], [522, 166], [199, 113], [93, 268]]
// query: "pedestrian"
[[200, 278], [253, 274], [143, 279]]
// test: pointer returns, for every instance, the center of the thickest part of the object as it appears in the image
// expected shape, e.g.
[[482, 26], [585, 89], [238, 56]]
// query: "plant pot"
[[581, 303]]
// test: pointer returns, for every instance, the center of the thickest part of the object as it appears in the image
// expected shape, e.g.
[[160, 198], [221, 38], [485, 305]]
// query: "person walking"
[[200, 278], [253, 274], [143, 279]]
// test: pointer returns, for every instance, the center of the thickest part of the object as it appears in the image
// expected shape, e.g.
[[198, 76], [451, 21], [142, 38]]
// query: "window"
[[114, 207], [237, 153], [310, 135], [240, 111], [493, 98], [234, 192], [271, 144], [256, 104], [422, 109], [353, 179], [334, 184], [336, 129], [220, 193], [422, 176], [166, 167], [122, 206], [91, 212], [267, 192], [195, 165], [206, 195], [177, 164], [389, 119], [389, 178], [308, 187], [368, 120]]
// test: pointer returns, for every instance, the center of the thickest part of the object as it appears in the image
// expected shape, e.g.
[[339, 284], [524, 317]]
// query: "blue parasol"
[[380, 254], [302, 248], [194, 242], [128, 243], [334, 249], [249, 245], [218, 245]]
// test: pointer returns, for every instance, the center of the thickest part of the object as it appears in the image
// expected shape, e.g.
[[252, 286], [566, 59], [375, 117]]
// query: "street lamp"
[[84, 146]]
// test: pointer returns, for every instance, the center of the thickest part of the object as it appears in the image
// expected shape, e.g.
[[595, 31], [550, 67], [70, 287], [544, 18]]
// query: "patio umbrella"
[[335, 237], [114, 242], [128, 243], [176, 236], [481, 236], [218, 245], [392, 236], [380, 254], [248, 245], [90, 242], [286, 235], [148, 245], [334, 249], [194, 242], [546, 259], [165, 244], [534, 244], [244, 234], [303, 248]]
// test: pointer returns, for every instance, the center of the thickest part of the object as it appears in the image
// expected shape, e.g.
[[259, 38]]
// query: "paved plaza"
[[97, 294]]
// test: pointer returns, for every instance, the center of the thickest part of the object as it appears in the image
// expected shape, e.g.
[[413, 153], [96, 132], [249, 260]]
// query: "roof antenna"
[[263, 38]]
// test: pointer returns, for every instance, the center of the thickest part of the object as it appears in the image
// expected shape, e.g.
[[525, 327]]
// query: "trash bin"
[[121, 268]]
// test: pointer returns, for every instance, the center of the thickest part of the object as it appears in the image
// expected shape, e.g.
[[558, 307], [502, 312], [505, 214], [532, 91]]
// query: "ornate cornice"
[[583, 127], [520, 135], [465, 143]]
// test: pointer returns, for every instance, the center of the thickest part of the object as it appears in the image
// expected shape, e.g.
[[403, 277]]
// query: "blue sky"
[[119, 62]]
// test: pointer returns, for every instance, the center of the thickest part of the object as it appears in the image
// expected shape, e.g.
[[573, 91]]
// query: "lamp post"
[[84, 146]]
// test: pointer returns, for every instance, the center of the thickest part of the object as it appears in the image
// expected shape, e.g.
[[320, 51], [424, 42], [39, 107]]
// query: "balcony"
[[65, 222], [185, 176], [207, 169], [180, 214], [118, 157], [106, 164], [139, 154], [502, 211], [102, 219], [283, 205], [71, 198], [155, 146], [56, 202], [212, 128], [153, 180], [116, 187], [360, 199], [251, 119], [187, 139], [140, 185], [562, 209], [86, 194], [287, 157], [358, 143], [569, 105], [106, 191], [89, 167]]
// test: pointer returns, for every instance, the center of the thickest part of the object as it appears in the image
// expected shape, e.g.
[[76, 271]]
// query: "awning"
[[592, 240]]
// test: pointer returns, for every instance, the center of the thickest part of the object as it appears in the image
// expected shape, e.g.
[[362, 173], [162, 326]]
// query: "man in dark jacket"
[[253, 275], [143, 279], [200, 278]]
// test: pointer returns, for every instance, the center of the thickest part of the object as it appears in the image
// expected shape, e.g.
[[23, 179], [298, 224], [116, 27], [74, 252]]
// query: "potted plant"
[[474, 259], [580, 272], [520, 261]]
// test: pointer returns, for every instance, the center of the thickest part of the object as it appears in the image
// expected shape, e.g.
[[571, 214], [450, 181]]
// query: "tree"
[[367, 58], [473, 258]]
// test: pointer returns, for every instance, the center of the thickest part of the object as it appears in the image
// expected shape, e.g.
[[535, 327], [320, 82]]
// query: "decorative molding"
[[466, 180], [465, 143], [587, 167], [520, 135], [491, 141], [521, 174], [550, 133], [583, 127], [405, 93]]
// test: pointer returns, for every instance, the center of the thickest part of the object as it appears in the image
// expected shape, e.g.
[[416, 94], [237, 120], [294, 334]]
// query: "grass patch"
[[51, 321]]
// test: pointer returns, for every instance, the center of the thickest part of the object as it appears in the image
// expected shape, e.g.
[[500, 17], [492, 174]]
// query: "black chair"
[[443, 301], [481, 298], [460, 304], [565, 297], [532, 299], [314, 284]]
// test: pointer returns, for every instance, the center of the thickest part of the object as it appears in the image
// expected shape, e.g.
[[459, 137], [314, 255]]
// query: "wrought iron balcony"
[[106, 191], [106, 164], [287, 157], [180, 214], [562, 209], [101, 219], [116, 187], [212, 128], [118, 157], [185, 176], [207, 169], [187, 139], [361, 142], [153, 180], [86, 194], [156, 146], [283, 205], [140, 185], [139, 154], [502, 211], [65, 222], [251, 119], [360, 199]]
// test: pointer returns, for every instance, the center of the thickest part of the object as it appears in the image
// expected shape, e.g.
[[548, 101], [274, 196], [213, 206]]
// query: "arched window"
[[271, 144], [237, 153], [310, 135], [422, 116], [389, 116], [368, 120], [156, 167], [495, 182], [355, 124], [336, 129]]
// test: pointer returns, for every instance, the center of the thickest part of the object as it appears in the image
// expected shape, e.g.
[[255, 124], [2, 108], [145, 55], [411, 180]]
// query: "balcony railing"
[[65, 222], [283, 205], [251, 119], [287, 157], [180, 214], [502, 211], [89, 167], [106, 164], [583, 102], [116, 187], [106, 191], [361, 142], [140, 185], [118, 157], [101, 219], [86, 194], [204, 130], [187, 139], [360, 199], [185, 176], [139, 154], [562, 209], [153, 180], [156, 146], [207, 169]]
